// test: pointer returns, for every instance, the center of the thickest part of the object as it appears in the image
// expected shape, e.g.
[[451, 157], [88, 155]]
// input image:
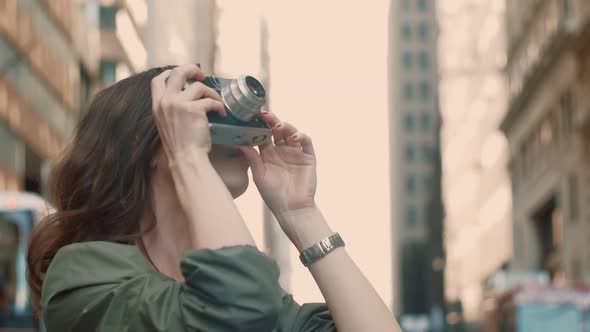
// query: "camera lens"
[[255, 87]]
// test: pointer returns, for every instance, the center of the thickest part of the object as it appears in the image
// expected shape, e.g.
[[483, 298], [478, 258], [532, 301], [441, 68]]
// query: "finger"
[[293, 141], [254, 159], [265, 145], [282, 130], [179, 75], [159, 86], [207, 105], [198, 90], [305, 142], [270, 118]]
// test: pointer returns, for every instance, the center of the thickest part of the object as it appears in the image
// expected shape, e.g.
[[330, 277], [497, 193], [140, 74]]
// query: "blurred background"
[[453, 137]]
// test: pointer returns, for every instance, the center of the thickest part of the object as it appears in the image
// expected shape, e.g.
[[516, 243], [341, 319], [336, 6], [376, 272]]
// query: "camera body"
[[244, 98]]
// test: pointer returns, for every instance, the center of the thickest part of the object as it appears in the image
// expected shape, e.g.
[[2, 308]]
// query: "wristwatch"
[[321, 249]]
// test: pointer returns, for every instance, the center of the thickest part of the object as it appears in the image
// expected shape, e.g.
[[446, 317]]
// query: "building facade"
[[476, 190], [55, 54], [180, 32], [548, 129], [414, 142], [45, 75]]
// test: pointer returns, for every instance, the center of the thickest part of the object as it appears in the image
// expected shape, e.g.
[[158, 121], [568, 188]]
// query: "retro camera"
[[243, 98]]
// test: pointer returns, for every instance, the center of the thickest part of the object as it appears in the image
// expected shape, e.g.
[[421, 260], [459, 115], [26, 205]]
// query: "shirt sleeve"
[[304, 318], [230, 289]]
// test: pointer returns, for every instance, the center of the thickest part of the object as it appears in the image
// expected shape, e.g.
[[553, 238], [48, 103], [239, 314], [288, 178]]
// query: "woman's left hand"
[[285, 175]]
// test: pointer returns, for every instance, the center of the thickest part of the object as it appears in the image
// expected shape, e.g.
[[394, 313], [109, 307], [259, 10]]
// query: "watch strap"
[[321, 249]]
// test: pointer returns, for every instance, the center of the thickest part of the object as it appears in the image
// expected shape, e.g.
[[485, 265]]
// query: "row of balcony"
[[26, 123], [62, 79]]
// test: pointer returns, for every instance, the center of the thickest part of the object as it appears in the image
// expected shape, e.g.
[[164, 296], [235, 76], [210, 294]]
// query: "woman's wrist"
[[188, 156], [304, 227]]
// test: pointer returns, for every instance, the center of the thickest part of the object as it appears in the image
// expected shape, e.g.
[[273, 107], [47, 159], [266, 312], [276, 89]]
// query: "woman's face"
[[232, 167], [229, 162]]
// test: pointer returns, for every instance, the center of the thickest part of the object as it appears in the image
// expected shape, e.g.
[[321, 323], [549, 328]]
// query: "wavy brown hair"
[[100, 187]]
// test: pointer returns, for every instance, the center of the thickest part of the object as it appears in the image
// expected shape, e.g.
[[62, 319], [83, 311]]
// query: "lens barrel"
[[244, 97]]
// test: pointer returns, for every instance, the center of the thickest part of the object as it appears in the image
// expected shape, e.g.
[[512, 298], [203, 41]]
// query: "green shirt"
[[111, 287]]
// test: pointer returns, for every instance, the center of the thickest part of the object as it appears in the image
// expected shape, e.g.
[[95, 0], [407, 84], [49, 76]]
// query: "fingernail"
[[294, 137], [264, 112], [278, 125]]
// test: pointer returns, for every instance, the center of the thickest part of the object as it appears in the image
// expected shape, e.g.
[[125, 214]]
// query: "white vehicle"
[[19, 212]]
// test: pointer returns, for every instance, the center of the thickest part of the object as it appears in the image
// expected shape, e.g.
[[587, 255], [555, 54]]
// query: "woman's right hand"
[[180, 114]]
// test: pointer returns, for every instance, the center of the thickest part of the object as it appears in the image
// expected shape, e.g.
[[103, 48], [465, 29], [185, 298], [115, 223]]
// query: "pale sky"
[[328, 72]]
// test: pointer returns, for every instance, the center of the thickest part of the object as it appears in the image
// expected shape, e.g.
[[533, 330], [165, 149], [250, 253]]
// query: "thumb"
[[254, 159]]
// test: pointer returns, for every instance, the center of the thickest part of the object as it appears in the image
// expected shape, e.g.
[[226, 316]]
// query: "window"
[[573, 198], [408, 90], [422, 5], [406, 4], [424, 61], [565, 9], [424, 31], [411, 216], [428, 184], [409, 121], [426, 121], [425, 90], [85, 84], [108, 71], [427, 153], [108, 17], [409, 152], [406, 32], [410, 184], [407, 60]]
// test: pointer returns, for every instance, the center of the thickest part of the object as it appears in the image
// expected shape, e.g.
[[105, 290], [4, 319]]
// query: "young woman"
[[147, 237]]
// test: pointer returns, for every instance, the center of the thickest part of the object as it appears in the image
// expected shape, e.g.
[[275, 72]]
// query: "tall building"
[[46, 73], [275, 241], [548, 130], [180, 32], [122, 48], [414, 143], [138, 34], [55, 54], [476, 182]]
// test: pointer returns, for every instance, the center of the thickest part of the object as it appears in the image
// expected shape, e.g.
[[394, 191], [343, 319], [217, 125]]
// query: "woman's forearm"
[[214, 220], [352, 300]]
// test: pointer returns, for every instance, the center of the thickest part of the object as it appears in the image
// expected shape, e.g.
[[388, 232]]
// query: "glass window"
[[406, 4], [407, 60], [108, 17], [573, 193], [424, 31], [425, 90], [427, 153], [426, 121], [409, 121], [406, 32], [424, 60], [11, 148], [409, 152], [108, 71], [411, 215], [408, 90], [410, 184], [422, 4], [428, 184]]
